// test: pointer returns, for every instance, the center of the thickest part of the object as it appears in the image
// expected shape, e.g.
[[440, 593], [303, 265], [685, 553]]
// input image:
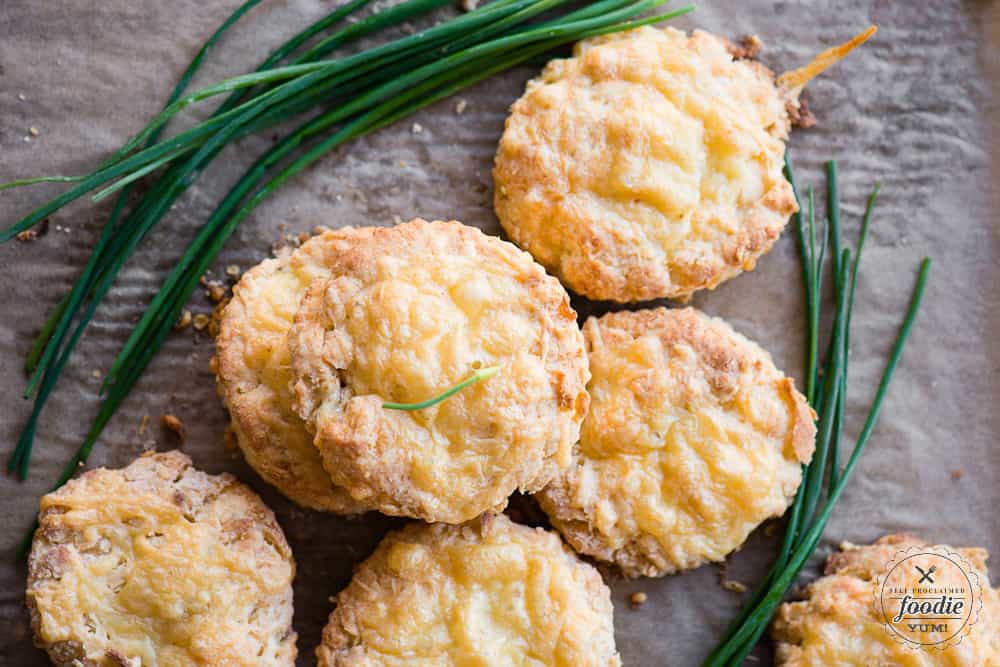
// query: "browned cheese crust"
[[160, 564], [648, 165], [489, 593], [408, 312], [692, 440], [836, 623]]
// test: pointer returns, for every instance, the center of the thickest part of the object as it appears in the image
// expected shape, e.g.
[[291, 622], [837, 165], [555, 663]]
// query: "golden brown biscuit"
[[160, 564], [408, 312], [254, 376], [692, 440], [648, 165], [837, 623], [486, 593]]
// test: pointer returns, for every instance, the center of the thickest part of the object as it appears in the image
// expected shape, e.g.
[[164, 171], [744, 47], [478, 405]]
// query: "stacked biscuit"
[[646, 166]]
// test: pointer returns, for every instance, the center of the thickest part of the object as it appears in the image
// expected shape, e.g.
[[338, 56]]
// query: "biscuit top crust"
[[408, 312], [693, 439], [649, 165], [255, 377], [160, 564], [836, 622], [486, 593]]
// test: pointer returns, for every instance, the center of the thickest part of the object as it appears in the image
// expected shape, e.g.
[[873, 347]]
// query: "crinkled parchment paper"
[[911, 108]]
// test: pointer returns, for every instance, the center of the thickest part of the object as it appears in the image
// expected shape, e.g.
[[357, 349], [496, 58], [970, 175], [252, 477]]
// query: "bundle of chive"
[[826, 388], [340, 98]]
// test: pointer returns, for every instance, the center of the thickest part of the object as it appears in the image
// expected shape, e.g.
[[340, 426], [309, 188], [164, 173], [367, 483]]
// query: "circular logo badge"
[[928, 597]]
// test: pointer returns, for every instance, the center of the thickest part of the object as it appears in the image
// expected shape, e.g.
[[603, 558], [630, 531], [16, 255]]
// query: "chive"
[[56, 327], [804, 530], [43, 349], [371, 76], [481, 374]]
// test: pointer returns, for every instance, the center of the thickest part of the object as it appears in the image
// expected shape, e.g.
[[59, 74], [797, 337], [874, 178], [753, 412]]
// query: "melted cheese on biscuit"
[[410, 312], [693, 439], [457, 596], [836, 624], [138, 566], [648, 165]]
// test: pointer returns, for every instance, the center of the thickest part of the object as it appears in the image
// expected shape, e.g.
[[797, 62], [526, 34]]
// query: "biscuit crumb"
[[173, 424], [233, 271], [749, 47], [33, 131], [21, 97], [461, 106], [957, 474], [417, 128], [183, 321], [201, 320], [35, 233], [96, 373], [469, 5], [216, 291], [142, 425], [637, 599], [734, 586]]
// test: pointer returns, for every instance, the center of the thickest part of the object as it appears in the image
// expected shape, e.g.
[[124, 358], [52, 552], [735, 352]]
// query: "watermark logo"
[[928, 597]]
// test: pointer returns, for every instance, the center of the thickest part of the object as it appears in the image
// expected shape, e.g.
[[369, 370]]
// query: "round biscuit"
[[648, 165], [160, 564], [254, 375], [836, 622], [488, 593], [408, 312], [692, 440]]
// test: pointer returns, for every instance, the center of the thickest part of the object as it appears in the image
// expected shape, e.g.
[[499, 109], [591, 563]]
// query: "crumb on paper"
[[233, 271], [96, 373], [469, 5], [748, 48], [33, 131], [734, 586], [396, 220], [461, 106], [957, 474], [173, 424], [142, 425], [184, 320], [201, 320], [21, 97], [216, 291], [402, 163], [637, 599], [417, 128]]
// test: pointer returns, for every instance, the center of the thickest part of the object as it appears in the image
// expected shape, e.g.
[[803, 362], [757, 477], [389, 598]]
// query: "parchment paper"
[[911, 108]]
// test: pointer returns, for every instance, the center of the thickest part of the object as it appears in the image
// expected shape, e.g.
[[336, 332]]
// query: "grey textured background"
[[912, 108]]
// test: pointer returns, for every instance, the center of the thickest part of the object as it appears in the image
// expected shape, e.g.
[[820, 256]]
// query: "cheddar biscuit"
[[692, 440], [408, 312], [489, 592], [254, 376], [836, 623], [160, 564], [648, 165]]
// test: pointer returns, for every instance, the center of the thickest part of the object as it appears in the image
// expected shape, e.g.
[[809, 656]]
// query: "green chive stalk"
[[368, 91], [808, 516]]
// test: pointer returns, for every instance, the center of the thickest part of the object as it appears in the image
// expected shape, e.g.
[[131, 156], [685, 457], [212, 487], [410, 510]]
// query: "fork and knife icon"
[[925, 575]]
